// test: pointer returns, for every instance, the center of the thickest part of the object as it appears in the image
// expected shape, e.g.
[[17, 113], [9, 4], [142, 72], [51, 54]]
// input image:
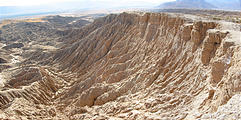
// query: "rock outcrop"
[[14, 45], [3, 61], [132, 66]]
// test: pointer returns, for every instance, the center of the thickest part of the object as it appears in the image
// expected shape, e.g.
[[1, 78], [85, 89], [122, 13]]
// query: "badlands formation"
[[128, 66]]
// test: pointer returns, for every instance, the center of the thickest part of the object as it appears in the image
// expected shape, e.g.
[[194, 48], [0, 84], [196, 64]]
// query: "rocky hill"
[[150, 66], [202, 4], [196, 4], [226, 4]]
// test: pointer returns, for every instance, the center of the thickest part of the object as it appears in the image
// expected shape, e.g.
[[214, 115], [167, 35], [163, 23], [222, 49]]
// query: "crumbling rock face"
[[135, 66], [211, 43], [3, 61], [199, 32], [25, 77], [14, 45]]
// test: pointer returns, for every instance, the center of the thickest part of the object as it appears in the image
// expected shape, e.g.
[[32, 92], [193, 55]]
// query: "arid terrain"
[[162, 65]]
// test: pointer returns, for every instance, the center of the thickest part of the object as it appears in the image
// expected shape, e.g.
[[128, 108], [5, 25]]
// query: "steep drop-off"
[[133, 66]]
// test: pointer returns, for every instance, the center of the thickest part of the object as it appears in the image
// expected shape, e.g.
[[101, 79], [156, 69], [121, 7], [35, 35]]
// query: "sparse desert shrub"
[[217, 18]]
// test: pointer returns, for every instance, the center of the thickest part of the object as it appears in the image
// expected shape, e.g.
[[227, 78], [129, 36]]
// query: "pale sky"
[[42, 2]]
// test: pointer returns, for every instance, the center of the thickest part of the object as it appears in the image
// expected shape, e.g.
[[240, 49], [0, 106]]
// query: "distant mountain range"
[[204, 4], [226, 4], [187, 4]]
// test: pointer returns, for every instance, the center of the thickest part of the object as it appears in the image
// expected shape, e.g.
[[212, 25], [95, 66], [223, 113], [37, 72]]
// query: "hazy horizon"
[[28, 3], [11, 8], [15, 8]]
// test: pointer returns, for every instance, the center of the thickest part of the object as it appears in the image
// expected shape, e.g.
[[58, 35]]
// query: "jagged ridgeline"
[[131, 66]]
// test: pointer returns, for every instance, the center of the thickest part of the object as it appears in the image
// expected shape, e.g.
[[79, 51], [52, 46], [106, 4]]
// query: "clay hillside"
[[127, 66]]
